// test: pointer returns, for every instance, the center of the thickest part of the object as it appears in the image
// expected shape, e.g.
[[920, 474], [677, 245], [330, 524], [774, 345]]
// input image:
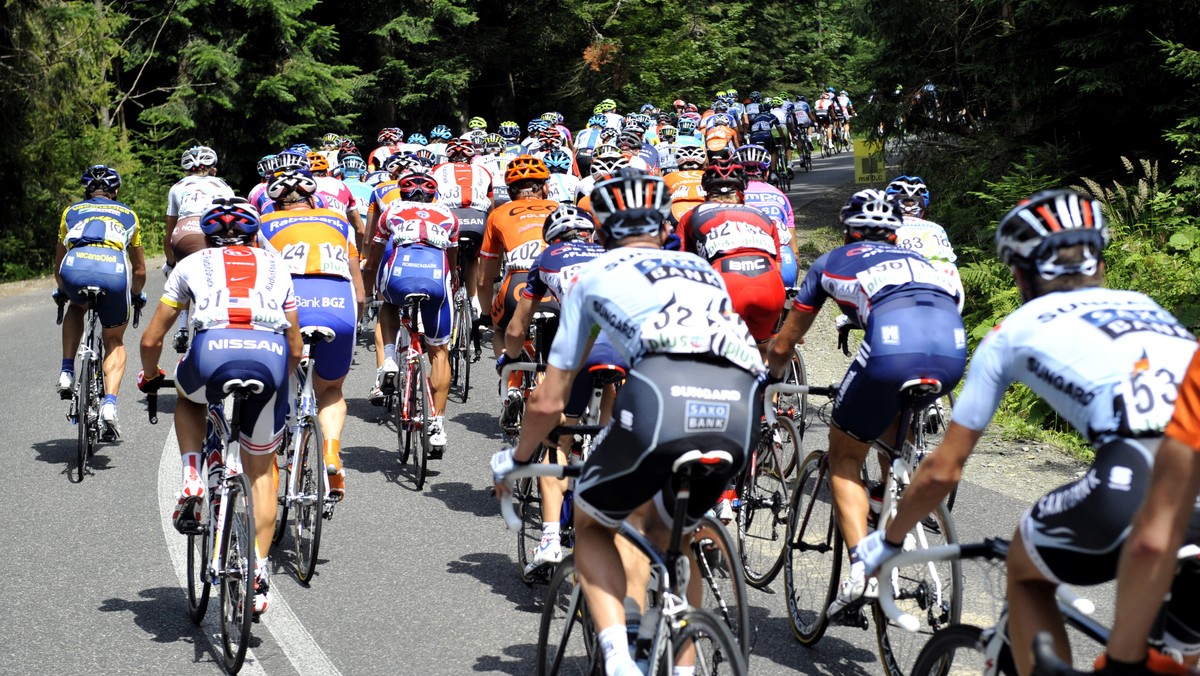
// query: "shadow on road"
[[62, 452], [773, 640], [463, 497], [516, 660], [499, 571]]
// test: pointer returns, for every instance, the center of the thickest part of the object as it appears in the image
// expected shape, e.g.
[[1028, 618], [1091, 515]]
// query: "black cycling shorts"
[[669, 405], [471, 223]]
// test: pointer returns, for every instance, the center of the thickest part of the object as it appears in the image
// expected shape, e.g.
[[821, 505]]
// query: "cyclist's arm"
[[137, 264], [936, 477], [514, 335], [490, 268], [152, 338], [781, 347], [294, 339], [170, 229], [60, 252], [356, 279], [360, 226], [371, 268], [452, 263], [544, 410]]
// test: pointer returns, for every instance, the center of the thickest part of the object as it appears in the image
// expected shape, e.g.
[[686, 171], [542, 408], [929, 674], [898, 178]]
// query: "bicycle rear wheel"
[[567, 642], [794, 406], [310, 499], [530, 533], [791, 445], [716, 650], [237, 572], [283, 459], [762, 515], [83, 416], [404, 409], [724, 580], [931, 592], [199, 555], [423, 414], [813, 558], [959, 650]]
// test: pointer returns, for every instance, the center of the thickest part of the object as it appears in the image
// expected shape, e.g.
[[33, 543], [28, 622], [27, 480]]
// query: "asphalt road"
[[408, 582]]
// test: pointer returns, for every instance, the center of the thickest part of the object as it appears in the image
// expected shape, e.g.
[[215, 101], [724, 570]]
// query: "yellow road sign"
[[869, 163]]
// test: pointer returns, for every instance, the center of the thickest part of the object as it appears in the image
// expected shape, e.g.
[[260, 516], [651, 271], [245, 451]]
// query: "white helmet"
[[198, 156]]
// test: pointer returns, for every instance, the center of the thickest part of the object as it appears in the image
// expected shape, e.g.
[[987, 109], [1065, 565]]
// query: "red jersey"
[[715, 230]]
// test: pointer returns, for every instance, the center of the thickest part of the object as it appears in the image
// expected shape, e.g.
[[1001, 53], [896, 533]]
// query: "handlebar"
[[532, 367], [152, 398], [60, 299], [553, 470], [789, 388]]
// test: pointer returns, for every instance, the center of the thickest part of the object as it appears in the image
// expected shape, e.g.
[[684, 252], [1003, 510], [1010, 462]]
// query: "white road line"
[[301, 649]]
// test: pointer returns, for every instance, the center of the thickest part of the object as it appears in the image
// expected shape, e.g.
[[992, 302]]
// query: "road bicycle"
[[88, 394], [303, 479], [669, 628], [537, 345], [411, 400], [462, 347], [780, 175], [806, 150], [220, 547], [813, 557]]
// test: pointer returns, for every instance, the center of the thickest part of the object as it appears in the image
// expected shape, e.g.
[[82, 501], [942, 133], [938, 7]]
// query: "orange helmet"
[[317, 162], [524, 168]]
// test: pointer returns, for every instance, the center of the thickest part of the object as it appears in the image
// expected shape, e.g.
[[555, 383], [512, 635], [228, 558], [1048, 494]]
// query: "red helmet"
[[460, 148], [678, 103], [417, 187]]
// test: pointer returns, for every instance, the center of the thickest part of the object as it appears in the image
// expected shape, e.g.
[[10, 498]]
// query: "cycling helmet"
[[346, 144], [754, 158], [690, 157], [910, 193], [609, 105], [629, 140], [100, 177], [352, 165], [330, 141], [425, 157], [197, 157], [557, 161], [550, 118], [597, 121], [290, 160], [777, 102], [631, 118], [417, 187], [302, 148], [722, 119], [510, 131], [266, 165], [493, 144], [477, 123], [1030, 235], [609, 135], [723, 178], [755, 97], [229, 220], [567, 222], [317, 162], [720, 106], [460, 150], [678, 103], [525, 168], [630, 202], [388, 135], [608, 163], [668, 133], [687, 126], [550, 137], [292, 186], [869, 215], [536, 125], [691, 108], [598, 109], [441, 133], [398, 162], [476, 137], [418, 139]]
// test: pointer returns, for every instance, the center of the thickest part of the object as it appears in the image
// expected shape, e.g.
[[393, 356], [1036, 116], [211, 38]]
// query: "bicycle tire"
[[795, 406], [567, 642], [421, 395], [199, 554], [529, 535], [237, 572], [959, 650], [930, 592], [283, 459], [725, 582], [717, 652], [310, 499], [83, 416], [762, 517], [403, 425], [813, 558]]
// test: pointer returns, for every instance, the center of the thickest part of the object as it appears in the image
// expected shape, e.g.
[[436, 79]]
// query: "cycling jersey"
[[614, 121], [561, 188], [514, 231], [236, 287], [99, 222], [405, 223], [381, 196], [557, 266], [310, 241], [336, 194], [720, 136], [761, 125], [378, 156], [1108, 361], [191, 195], [1185, 423], [666, 157], [96, 233], [930, 240], [686, 191], [689, 140], [588, 139], [772, 202], [362, 195], [463, 186], [258, 196], [649, 302]]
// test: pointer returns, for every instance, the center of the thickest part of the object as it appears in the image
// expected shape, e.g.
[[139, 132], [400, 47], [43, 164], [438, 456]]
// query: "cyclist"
[[477, 123], [387, 139], [335, 193], [608, 158], [514, 233], [846, 110], [462, 186], [1107, 361], [913, 330], [587, 140], [561, 185], [685, 183], [266, 168], [608, 108], [317, 247], [244, 311], [668, 313], [533, 141], [99, 244], [720, 137], [352, 170], [923, 236], [785, 131], [417, 244], [823, 114], [765, 197]]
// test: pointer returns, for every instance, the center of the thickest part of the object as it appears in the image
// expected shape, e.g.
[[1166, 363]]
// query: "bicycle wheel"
[[813, 558], [283, 458], [762, 515], [724, 580], [716, 650], [83, 416], [310, 499], [567, 642], [791, 445], [931, 592], [423, 414], [959, 650], [529, 535], [237, 571], [403, 423], [199, 554], [794, 406]]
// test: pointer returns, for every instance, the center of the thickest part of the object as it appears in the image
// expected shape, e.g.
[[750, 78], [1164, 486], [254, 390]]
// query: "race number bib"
[[677, 329], [1148, 395], [903, 271], [732, 235]]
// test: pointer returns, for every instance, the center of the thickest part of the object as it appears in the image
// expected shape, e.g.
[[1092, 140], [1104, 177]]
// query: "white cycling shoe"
[[853, 588], [549, 552]]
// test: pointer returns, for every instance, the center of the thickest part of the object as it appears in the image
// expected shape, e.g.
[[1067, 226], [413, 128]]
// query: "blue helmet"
[[441, 133], [230, 215], [557, 161], [100, 177], [597, 121], [418, 139], [536, 125], [908, 188], [510, 131]]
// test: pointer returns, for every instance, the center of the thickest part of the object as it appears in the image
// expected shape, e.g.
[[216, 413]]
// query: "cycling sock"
[[1112, 667], [110, 399], [191, 465], [615, 643], [389, 351], [683, 671], [550, 530], [68, 365]]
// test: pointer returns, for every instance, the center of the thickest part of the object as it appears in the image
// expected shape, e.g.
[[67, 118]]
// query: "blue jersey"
[[649, 154], [863, 275], [556, 267], [588, 139]]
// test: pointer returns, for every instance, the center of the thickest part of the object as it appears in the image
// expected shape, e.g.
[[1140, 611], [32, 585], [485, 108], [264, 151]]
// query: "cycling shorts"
[[757, 291], [1182, 621], [103, 267], [471, 223], [504, 303], [328, 301], [913, 336], [187, 237], [417, 268], [220, 355], [662, 412], [603, 354], [763, 138]]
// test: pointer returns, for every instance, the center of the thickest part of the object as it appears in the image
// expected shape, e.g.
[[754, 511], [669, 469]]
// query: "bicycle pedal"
[[436, 452], [65, 396], [853, 615]]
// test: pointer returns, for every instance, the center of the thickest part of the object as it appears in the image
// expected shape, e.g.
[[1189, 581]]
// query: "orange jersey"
[[514, 232], [1185, 423], [685, 190], [310, 241], [720, 136]]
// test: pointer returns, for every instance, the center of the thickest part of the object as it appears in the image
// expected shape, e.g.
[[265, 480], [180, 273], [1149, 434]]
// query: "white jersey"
[[584, 188], [561, 188], [930, 240], [650, 301], [1090, 354], [233, 287], [192, 195], [613, 121], [463, 186]]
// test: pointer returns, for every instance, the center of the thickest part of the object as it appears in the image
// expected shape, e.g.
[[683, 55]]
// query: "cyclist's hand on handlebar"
[[504, 360], [844, 327], [149, 384], [503, 462], [873, 551], [167, 268], [139, 301]]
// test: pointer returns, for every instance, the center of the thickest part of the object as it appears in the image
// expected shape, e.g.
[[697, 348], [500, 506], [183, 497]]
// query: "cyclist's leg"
[[436, 316], [263, 417]]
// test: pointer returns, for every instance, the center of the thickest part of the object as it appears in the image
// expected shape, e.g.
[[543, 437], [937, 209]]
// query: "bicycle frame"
[[304, 411], [409, 344]]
